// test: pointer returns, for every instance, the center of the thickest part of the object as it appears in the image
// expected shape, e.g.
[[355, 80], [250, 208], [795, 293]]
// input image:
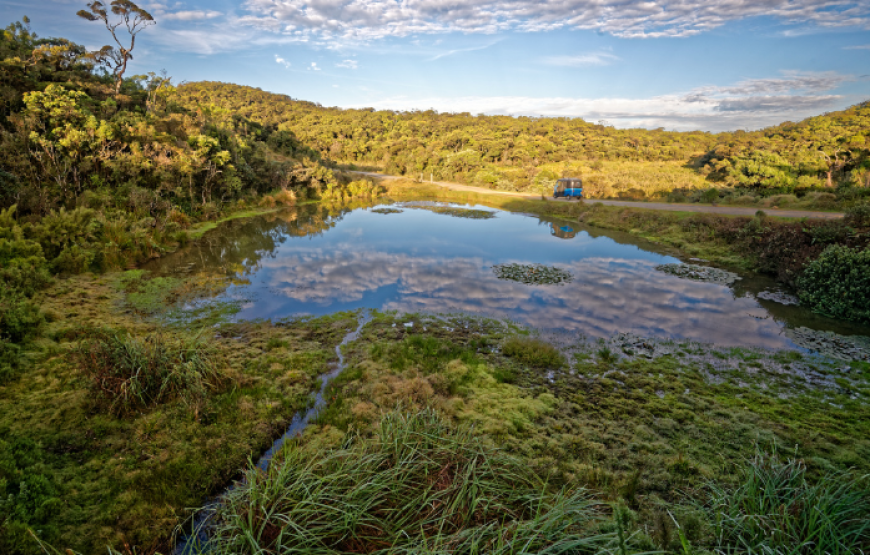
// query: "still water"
[[318, 260]]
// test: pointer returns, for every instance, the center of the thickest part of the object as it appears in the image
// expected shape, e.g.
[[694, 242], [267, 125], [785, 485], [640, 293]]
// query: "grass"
[[92, 478], [776, 509], [648, 431], [417, 485], [533, 352], [130, 374]]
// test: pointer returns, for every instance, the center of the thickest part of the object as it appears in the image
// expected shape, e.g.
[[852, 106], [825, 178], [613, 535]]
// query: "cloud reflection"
[[607, 295]]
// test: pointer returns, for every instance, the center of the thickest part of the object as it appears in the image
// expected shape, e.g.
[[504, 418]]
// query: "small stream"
[[194, 542]]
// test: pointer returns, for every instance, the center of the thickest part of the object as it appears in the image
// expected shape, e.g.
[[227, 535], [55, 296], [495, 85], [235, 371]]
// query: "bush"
[[777, 510], [418, 486], [858, 216], [128, 373], [533, 352], [837, 283]]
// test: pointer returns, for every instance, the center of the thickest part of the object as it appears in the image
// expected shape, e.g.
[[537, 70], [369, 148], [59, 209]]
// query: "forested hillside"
[[94, 177], [520, 153]]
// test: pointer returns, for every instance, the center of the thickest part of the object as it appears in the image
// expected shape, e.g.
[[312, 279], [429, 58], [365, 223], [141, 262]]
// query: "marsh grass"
[[775, 509], [418, 485], [533, 352], [130, 373]]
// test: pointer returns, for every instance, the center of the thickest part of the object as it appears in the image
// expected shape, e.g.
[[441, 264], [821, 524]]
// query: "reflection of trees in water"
[[237, 247]]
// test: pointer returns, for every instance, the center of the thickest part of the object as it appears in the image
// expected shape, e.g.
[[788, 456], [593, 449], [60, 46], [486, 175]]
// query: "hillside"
[[523, 153]]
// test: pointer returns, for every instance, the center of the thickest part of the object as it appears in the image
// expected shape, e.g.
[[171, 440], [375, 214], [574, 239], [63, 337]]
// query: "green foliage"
[[418, 486], [29, 497], [533, 352], [858, 215], [777, 509], [837, 283], [130, 373], [427, 353]]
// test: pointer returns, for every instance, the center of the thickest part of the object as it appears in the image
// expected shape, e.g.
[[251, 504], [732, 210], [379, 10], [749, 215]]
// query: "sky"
[[710, 65]]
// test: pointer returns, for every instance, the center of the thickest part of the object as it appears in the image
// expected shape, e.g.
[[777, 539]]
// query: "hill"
[[522, 153]]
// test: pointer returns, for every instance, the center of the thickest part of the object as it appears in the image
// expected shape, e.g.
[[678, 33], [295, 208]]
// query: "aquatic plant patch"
[[699, 273], [830, 344], [387, 211], [469, 213], [779, 297], [532, 274]]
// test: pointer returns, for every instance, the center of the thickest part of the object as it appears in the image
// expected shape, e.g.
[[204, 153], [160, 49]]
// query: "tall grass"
[[418, 486], [777, 511], [130, 373]]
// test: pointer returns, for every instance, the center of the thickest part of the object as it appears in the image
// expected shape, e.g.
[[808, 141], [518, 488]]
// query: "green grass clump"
[[776, 509], [418, 485], [533, 352], [130, 373]]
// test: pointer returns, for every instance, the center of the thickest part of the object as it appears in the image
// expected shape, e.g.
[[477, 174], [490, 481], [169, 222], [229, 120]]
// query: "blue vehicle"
[[571, 187]]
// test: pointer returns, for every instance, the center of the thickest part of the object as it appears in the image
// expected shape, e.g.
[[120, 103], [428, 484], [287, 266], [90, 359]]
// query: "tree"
[[134, 18]]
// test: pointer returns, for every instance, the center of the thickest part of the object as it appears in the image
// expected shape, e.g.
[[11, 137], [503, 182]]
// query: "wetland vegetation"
[[481, 409]]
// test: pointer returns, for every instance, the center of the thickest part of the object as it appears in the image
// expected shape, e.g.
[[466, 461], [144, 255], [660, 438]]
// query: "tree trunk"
[[829, 182]]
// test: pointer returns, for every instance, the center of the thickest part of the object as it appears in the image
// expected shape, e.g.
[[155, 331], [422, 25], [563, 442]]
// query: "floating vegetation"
[[455, 211], [532, 274], [699, 273], [387, 211], [779, 297], [469, 213], [830, 344]]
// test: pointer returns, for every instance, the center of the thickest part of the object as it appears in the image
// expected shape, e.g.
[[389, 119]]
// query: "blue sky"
[[680, 64]]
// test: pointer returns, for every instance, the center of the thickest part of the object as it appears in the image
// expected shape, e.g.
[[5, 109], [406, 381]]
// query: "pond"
[[412, 257]]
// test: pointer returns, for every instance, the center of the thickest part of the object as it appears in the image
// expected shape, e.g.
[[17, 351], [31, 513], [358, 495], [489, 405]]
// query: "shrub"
[[533, 352], [418, 486], [777, 510], [858, 216], [128, 373], [837, 283], [69, 239]]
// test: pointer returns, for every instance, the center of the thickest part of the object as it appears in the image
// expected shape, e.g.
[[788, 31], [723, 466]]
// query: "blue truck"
[[571, 187]]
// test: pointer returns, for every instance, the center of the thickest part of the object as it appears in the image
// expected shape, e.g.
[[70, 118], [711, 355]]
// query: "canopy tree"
[[133, 18]]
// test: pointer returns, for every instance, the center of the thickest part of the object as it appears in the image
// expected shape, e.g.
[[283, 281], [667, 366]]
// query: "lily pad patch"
[[532, 274]]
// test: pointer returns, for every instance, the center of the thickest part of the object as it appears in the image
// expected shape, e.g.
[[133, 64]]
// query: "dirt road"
[[668, 207]]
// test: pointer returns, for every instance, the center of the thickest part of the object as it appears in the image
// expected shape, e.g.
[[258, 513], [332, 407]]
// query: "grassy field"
[[137, 405], [653, 440], [86, 472]]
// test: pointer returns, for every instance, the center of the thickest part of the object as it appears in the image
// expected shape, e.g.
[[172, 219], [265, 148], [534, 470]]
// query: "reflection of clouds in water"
[[607, 295]]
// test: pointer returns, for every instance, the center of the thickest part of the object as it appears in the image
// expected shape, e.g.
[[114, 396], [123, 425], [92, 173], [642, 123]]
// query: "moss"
[[644, 430], [129, 481]]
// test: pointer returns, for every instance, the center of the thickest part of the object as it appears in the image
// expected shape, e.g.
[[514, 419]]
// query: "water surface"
[[318, 260]]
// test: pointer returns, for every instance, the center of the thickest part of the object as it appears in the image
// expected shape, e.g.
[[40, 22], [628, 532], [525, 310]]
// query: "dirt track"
[[669, 207]]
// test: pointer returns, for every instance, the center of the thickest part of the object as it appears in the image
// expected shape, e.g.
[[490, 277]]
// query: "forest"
[[821, 154]]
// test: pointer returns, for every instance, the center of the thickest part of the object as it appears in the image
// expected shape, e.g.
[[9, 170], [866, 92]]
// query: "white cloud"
[[371, 19], [752, 103], [188, 15], [461, 50], [313, 66], [857, 47], [282, 61], [347, 64], [591, 59]]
